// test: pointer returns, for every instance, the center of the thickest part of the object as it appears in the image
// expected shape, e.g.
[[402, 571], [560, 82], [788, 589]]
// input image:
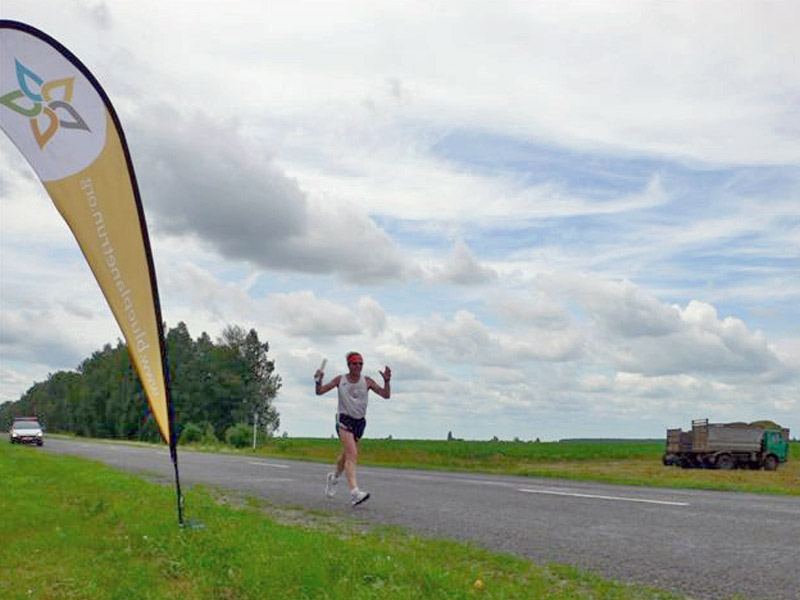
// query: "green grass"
[[75, 529], [472, 453], [631, 463]]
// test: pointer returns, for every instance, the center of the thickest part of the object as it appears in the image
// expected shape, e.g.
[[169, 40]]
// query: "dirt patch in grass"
[[292, 516]]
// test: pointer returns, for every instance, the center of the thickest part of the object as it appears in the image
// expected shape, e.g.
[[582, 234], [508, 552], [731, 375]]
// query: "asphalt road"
[[699, 543]]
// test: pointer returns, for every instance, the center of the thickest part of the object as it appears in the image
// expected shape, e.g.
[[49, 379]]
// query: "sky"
[[551, 219]]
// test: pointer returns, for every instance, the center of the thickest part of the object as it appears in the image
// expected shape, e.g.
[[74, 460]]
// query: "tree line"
[[214, 388]]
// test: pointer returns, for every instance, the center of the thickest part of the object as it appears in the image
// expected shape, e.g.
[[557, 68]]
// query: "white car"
[[26, 430]]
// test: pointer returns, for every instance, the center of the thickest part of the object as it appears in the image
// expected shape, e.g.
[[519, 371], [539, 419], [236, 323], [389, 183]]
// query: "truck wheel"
[[725, 462], [771, 463]]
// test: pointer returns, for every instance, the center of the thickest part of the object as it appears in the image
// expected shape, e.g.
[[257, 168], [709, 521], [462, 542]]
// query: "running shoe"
[[357, 497], [330, 481]]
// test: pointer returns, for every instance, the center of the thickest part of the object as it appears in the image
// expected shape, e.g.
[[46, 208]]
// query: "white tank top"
[[353, 397]]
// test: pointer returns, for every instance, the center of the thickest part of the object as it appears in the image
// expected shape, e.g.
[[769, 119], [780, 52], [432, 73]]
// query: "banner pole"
[[173, 439], [174, 454]]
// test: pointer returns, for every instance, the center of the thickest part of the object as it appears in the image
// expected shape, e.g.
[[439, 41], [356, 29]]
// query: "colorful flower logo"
[[46, 104]]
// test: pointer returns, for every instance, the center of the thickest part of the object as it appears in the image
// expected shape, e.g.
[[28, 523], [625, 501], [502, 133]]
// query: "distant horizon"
[[648, 440]]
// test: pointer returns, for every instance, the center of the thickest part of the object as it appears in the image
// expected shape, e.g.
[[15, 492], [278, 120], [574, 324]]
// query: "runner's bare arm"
[[386, 390], [322, 389]]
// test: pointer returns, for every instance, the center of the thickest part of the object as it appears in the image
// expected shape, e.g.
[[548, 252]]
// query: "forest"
[[213, 386]]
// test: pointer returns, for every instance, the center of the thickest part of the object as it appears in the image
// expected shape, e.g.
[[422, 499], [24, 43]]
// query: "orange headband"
[[354, 356]]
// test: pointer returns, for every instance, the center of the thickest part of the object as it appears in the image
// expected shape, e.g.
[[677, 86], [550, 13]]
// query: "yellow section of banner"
[[99, 206]]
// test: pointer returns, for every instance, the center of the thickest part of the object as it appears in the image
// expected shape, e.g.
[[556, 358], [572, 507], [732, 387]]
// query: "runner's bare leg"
[[349, 456]]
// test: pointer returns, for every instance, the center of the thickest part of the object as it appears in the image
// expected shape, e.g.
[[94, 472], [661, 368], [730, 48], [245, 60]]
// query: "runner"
[[350, 419]]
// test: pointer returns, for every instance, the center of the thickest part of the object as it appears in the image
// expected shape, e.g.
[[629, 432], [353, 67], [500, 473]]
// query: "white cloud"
[[372, 316], [303, 314], [462, 268], [466, 339], [205, 292], [535, 309], [34, 336], [635, 332], [409, 366], [606, 243], [206, 181]]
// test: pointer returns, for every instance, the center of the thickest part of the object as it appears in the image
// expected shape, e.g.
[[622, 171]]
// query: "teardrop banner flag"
[[59, 117]]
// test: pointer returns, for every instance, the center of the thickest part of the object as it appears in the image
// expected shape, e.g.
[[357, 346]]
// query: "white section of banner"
[[48, 108]]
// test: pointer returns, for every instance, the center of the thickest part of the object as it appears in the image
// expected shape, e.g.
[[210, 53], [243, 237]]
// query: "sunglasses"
[[358, 364]]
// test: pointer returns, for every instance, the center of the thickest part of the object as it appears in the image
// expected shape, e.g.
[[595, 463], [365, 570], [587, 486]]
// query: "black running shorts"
[[356, 426]]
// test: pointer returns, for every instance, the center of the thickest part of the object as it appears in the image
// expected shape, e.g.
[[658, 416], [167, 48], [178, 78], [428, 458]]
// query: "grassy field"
[[632, 463], [74, 529]]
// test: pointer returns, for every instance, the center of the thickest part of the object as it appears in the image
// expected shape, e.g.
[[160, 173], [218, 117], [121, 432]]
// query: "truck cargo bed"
[[729, 437]]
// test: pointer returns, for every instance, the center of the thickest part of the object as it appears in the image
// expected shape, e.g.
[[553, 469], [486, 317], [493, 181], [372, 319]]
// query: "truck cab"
[[776, 443]]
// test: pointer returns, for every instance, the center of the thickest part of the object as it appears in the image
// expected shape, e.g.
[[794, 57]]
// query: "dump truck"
[[756, 445]]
